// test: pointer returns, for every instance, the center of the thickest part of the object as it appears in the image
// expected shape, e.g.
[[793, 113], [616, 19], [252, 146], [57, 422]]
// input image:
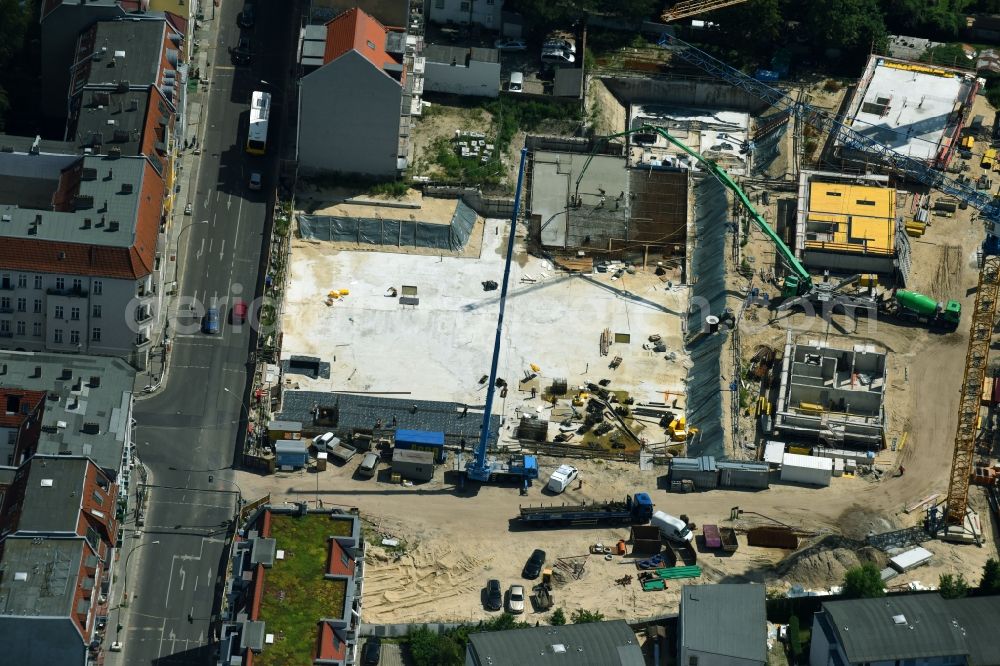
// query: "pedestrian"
[[413, 409], [465, 410], [393, 421]]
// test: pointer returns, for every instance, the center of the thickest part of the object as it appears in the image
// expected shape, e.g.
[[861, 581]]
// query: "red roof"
[[131, 263], [328, 644], [32, 398], [356, 30], [335, 560]]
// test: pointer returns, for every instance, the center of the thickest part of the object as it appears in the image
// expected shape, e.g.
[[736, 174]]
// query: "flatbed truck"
[[634, 510]]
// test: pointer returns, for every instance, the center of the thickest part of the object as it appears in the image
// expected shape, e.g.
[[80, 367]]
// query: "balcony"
[[6, 334], [144, 292], [143, 315], [142, 341], [7, 285], [6, 309], [72, 292]]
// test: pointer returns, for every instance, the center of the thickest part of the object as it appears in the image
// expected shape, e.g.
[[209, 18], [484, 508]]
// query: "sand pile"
[[825, 562]]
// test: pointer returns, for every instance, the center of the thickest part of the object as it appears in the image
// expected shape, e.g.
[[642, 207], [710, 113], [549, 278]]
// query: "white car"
[[516, 82], [255, 181], [511, 45], [563, 44], [558, 57], [324, 440], [562, 477], [515, 599]]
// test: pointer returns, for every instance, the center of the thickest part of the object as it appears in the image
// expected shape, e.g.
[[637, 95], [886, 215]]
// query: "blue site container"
[[422, 440]]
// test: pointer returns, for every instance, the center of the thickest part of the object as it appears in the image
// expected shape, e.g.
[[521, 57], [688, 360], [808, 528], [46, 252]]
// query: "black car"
[[247, 15], [372, 651], [241, 54], [533, 567], [494, 595]]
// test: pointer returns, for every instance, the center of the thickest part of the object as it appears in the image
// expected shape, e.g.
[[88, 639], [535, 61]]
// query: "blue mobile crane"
[[988, 207], [486, 469]]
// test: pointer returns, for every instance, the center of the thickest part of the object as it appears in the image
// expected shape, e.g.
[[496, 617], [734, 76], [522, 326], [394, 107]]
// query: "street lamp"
[[124, 599], [242, 403]]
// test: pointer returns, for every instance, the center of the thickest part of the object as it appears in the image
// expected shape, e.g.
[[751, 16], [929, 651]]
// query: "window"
[[59, 312], [20, 328], [22, 305], [96, 314], [465, 7], [491, 2], [98, 498], [74, 314], [95, 335], [5, 303], [77, 284], [22, 281], [38, 282], [98, 287], [74, 337], [38, 306], [60, 283], [57, 336], [4, 326], [438, 4], [36, 329]]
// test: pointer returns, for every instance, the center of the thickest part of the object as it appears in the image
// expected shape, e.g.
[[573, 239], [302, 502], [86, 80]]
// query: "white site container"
[[910, 559], [838, 467], [812, 470]]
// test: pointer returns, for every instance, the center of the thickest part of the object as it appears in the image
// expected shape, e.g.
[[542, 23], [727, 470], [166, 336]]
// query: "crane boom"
[[694, 7], [980, 336], [912, 168]]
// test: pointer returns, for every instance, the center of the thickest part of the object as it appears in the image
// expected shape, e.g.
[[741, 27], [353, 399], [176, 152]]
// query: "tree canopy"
[[864, 582]]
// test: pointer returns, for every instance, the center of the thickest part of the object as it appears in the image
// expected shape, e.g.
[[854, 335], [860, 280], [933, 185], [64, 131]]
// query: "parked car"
[[515, 599], [238, 314], [562, 477], [247, 16], [533, 567], [254, 181], [241, 54], [321, 441], [494, 595], [563, 44], [511, 45], [372, 651], [210, 324], [557, 57], [516, 82], [368, 466]]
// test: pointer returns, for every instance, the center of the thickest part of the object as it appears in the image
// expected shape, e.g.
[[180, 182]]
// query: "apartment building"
[[368, 131], [80, 263], [479, 12], [58, 533], [20, 422]]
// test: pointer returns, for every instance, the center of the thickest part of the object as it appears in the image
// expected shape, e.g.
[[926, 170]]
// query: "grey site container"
[[734, 474], [701, 471], [413, 465]]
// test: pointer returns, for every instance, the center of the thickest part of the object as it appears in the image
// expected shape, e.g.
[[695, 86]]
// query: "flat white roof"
[[812, 462], [908, 109], [773, 452]]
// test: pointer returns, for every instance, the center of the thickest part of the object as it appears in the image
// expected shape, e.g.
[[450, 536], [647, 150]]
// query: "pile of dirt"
[[826, 562]]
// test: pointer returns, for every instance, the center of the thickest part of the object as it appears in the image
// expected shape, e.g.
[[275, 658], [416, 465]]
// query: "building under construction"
[[833, 396]]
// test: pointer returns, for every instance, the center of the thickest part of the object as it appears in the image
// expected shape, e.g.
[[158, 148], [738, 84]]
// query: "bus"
[[260, 109]]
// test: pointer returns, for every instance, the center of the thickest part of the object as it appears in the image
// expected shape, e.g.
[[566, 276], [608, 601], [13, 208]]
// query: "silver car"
[[515, 599]]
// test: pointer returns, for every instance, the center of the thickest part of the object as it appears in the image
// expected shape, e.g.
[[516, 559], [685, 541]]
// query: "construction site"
[[759, 337]]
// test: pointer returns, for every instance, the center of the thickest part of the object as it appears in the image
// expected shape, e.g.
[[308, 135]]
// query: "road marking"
[[200, 250], [229, 201], [211, 242], [208, 198], [183, 576], [195, 588], [222, 249], [227, 68]]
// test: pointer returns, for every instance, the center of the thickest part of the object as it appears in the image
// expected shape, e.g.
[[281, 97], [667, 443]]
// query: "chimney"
[[37, 373], [95, 381], [112, 226], [66, 375]]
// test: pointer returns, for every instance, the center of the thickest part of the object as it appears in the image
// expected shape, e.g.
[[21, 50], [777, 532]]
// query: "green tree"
[[853, 27], [990, 584], [952, 587], [794, 638], [558, 617], [756, 25], [583, 616], [864, 582]]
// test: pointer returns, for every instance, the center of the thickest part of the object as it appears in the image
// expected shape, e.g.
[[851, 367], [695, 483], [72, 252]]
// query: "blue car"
[[210, 324]]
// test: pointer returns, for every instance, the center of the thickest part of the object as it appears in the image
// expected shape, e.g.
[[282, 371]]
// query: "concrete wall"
[[481, 79], [848, 262], [484, 12], [694, 92], [349, 114]]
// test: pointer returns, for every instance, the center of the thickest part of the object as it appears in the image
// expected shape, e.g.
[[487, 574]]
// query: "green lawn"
[[296, 595]]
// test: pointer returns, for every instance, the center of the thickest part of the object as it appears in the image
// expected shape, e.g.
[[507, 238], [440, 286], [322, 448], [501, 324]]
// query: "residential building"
[[462, 71], [594, 644], [387, 12], [59, 531], [480, 12], [87, 408], [722, 625], [365, 132], [20, 423], [319, 612], [906, 629], [81, 237]]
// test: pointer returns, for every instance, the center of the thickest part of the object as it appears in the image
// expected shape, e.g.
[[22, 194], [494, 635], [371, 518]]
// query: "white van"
[[325, 442], [368, 465], [562, 477], [671, 527], [516, 82]]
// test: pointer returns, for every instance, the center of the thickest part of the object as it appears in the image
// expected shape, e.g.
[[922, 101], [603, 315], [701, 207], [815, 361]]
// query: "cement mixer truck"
[[914, 306]]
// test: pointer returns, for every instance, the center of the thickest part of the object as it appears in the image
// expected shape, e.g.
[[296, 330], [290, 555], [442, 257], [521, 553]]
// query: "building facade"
[[480, 12], [462, 71]]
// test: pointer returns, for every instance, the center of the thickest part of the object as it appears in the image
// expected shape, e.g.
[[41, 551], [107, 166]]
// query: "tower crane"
[[694, 7], [983, 317]]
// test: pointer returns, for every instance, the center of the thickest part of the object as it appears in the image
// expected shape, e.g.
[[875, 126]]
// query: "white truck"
[[562, 478], [671, 527]]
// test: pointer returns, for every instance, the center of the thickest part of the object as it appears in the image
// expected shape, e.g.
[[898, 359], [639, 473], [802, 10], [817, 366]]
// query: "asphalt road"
[[187, 433]]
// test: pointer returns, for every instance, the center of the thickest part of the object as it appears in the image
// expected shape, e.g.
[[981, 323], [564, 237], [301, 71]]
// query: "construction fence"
[[399, 233]]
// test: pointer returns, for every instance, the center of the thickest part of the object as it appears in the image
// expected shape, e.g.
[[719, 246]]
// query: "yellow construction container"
[[345, 292], [868, 280], [800, 450], [535, 368], [811, 407]]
